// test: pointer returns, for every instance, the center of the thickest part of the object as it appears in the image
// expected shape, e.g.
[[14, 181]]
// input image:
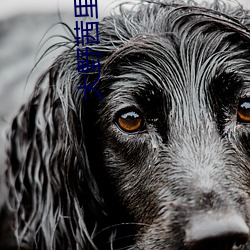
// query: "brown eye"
[[243, 113], [130, 121]]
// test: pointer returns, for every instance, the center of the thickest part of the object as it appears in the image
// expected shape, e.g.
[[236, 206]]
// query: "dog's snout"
[[217, 232]]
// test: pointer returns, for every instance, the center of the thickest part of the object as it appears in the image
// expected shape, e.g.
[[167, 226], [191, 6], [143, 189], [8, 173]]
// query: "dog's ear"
[[53, 198], [51, 188]]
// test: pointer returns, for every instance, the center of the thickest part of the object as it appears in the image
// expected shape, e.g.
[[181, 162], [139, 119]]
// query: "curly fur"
[[76, 181]]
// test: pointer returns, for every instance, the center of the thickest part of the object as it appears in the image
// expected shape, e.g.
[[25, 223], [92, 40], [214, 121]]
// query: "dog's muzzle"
[[217, 232]]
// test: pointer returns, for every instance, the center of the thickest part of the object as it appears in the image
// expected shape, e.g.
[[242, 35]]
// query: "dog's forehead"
[[180, 60], [186, 66], [184, 55]]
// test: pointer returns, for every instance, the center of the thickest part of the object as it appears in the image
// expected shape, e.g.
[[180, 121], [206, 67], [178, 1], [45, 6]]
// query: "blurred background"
[[25, 25]]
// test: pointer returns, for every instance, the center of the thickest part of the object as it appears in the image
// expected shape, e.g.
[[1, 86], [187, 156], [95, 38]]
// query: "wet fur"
[[76, 181]]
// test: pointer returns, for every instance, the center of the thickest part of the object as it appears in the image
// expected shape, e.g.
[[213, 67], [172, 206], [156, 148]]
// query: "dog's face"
[[174, 130], [161, 162]]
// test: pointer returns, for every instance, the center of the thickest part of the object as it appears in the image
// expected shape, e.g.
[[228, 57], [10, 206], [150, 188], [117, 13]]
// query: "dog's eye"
[[243, 113], [130, 121]]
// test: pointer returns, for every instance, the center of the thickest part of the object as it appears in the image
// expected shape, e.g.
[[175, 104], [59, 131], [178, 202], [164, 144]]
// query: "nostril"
[[223, 242], [217, 232], [240, 242]]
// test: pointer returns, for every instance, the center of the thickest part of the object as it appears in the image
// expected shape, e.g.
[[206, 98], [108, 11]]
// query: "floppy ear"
[[53, 197], [51, 186]]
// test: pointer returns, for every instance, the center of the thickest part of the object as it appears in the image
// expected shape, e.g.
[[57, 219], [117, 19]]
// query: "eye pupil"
[[243, 112], [245, 105], [130, 115], [130, 121]]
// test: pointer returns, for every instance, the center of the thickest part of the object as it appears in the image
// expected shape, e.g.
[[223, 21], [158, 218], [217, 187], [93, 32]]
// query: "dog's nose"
[[217, 232]]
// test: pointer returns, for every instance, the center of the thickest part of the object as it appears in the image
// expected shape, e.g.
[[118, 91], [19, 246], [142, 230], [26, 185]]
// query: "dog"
[[161, 161]]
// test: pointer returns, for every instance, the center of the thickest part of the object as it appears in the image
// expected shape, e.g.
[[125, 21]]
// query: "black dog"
[[162, 161]]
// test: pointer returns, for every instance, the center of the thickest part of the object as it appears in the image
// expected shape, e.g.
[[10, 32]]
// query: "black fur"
[[77, 181]]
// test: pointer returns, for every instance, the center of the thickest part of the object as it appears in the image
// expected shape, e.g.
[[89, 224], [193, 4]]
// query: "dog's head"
[[173, 125], [163, 159]]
